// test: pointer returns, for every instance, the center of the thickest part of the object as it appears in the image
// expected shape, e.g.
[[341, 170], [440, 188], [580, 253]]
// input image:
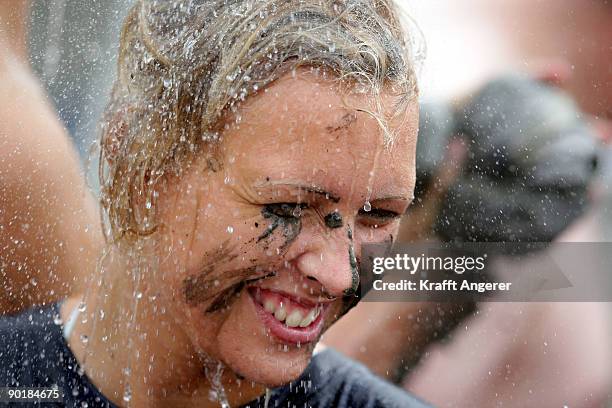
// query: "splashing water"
[[82, 307], [57, 320], [127, 393], [52, 47], [136, 277], [267, 397], [214, 371]]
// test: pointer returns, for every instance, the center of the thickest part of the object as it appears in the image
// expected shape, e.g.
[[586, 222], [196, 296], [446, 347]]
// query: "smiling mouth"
[[286, 318]]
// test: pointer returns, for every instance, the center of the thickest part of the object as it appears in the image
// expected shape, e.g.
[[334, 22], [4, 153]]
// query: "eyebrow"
[[309, 188]]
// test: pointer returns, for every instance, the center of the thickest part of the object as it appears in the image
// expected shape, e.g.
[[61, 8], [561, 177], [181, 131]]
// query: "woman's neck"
[[137, 356]]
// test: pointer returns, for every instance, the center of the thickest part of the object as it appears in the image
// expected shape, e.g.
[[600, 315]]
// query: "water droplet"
[[138, 295], [297, 211], [230, 229], [367, 207], [84, 339], [127, 393], [217, 390], [82, 307], [267, 397], [57, 320]]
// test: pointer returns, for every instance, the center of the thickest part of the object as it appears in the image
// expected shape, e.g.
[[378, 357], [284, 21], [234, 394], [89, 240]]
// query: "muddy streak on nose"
[[352, 264]]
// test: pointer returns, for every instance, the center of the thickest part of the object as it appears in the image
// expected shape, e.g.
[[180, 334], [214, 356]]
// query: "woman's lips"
[[287, 319]]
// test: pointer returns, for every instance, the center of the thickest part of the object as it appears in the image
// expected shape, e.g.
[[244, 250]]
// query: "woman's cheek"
[[253, 249]]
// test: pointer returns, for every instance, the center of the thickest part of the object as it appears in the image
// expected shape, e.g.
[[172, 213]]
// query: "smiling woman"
[[249, 149]]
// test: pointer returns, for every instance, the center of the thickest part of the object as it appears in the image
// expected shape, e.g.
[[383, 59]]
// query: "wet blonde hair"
[[183, 64]]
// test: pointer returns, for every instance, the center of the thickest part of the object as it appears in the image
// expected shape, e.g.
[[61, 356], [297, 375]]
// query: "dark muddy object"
[[531, 157], [334, 220], [436, 126], [354, 265], [283, 215]]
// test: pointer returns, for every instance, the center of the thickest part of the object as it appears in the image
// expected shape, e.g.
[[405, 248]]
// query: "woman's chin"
[[270, 372], [256, 348]]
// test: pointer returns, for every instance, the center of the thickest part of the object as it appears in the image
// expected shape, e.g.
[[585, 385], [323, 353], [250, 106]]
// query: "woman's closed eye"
[[377, 217]]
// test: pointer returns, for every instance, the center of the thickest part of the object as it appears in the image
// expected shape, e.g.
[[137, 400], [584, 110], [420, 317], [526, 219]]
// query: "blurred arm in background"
[[49, 226]]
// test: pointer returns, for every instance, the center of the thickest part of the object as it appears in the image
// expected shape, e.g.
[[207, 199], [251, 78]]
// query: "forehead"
[[303, 127]]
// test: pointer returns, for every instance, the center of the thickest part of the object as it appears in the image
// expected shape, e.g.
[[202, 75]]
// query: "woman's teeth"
[[292, 318]]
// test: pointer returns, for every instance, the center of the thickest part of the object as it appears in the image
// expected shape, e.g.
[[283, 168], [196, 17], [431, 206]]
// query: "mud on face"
[[223, 287]]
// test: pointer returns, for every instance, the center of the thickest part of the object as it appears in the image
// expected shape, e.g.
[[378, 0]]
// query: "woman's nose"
[[332, 264]]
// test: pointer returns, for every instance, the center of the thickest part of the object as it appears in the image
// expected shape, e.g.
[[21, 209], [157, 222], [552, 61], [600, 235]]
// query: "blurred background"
[[510, 355], [73, 49]]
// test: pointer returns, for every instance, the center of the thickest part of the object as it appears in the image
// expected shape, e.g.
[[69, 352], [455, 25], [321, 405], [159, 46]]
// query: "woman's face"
[[264, 234]]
